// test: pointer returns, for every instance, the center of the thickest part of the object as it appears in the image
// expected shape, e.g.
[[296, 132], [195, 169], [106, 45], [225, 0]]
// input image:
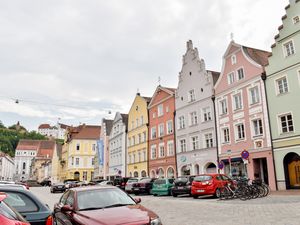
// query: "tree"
[[2, 125]]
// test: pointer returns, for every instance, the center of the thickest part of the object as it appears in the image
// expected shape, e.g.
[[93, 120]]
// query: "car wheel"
[[136, 193], [217, 193], [174, 195], [195, 196]]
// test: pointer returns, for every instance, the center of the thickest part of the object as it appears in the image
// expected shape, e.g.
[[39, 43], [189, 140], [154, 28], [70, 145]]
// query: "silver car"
[[131, 181]]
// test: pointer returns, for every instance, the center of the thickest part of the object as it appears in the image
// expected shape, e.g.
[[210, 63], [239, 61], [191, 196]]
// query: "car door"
[[220, 181], [60, 217], [26, 206]]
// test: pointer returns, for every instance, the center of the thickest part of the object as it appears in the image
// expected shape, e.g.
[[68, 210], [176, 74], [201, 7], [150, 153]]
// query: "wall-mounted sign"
[[221, 165], [245, 154], [183, 158]]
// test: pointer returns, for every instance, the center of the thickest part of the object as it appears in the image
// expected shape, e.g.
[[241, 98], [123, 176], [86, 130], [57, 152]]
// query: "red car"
[[9, 216], [209, 184], [99, 205]]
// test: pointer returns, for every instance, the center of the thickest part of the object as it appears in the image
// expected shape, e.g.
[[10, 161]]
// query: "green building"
[[283, 96]]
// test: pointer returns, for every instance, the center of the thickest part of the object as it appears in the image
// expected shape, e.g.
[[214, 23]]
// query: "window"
[[181, 122], [94, 147], [195, 144], [282, 85], [77, 147], [254, 95], [93, 161], [170, 127], [132, 125], [225, 132], [223, 107], [289, 48], [192, 95], [137, 122], [77, 161], [84, 176], [153, 115], [240, 73], [206, 114], [129, 142], [233, 59], [161, 150], [257, 127], [24, 166], [161, 129], [129, 158], [208, 140], [139, 156], [140, 138], [21, 202], [167, 109], [144, 136], [237, 101], [193, 118], [144, 156], [70, 199], [240, 131], [182, 146], [286, 122], [133, 140], [296, 19], [153, 132], [153, 152], [160, 110], [170, 150], [133, 158], [230, 78], [142, 120]]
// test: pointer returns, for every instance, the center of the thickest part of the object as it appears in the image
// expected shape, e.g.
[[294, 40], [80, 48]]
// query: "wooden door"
[[294, 173]]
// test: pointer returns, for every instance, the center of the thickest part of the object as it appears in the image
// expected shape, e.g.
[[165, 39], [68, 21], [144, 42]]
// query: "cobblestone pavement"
[[275, 209]]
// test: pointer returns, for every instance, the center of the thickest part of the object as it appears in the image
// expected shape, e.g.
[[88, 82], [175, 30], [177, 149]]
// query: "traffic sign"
[[245, 154], [221, 165]]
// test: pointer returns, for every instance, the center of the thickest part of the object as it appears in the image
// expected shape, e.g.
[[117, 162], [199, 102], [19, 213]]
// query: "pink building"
[[241, 114]]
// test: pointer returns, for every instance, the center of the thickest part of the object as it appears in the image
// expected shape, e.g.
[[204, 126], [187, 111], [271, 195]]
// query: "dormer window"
[[296, 19], [233, 59]]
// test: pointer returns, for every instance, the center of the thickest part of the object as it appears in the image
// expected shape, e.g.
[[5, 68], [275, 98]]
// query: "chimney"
[[189, 45]]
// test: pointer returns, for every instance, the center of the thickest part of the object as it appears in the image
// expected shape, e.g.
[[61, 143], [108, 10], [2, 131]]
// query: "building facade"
[[57, 131], [102, 154], [7, 167], [117, 146], [81, 145], [242, 115], [194, 119], [283, 88], [26, 150], [56, 166], [162, 152], [137, 145]]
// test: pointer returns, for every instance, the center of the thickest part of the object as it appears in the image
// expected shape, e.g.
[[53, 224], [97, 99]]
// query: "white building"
[[7, 166], [25, 152], [57, 131]]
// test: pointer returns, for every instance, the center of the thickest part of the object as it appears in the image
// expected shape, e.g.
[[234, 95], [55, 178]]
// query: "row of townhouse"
[[205, 124]]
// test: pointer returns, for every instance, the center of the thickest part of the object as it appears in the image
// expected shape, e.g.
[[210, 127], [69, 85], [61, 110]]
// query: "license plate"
[[60, 186], [180, 187], [200, 190], [136, 189]]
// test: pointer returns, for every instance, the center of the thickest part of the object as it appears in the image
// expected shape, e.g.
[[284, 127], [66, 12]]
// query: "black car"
[[58, 187], [46, 182], [182, 185], [143, 186], [28, 205], [120, 182]]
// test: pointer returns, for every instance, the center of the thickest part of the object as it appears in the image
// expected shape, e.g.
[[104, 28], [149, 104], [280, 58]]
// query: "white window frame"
[[277, 85], [257, 97], [191, 95], [237, 139], [152, 132], [182, 146], [296, 19], [161, 145], [181, 123], [209, 144], [285, 53], [161, 130], [169, 152], [206, 114], [240, 93], [233, 59], [195, 142], [193, 118], [254, 135], [160, 110], [169, 131], [231, 77], [153, 152], [237, 73], [280, 125], [224, 142], [221, 106]]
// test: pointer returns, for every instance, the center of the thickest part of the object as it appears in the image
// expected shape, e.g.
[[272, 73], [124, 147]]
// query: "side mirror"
[[66, 208], [137, 200]]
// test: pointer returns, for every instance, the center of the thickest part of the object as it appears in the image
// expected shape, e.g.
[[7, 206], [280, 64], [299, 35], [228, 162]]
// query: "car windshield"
[[202, 178], [103, 198], [145, 181], [132, 180], [160, 181], [10, 213], [181, 179]]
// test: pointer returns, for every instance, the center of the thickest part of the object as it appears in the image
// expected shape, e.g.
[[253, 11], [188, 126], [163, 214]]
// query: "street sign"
[[221, 165], [245, 154]]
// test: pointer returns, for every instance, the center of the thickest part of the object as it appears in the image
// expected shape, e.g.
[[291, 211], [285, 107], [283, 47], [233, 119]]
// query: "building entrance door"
[[291, 164], [261, 169]]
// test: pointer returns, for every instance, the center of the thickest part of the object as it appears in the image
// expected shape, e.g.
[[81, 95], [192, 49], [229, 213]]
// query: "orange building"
[[162, 154]]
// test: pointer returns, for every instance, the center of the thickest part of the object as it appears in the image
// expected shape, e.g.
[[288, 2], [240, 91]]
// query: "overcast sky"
[[78, 60]]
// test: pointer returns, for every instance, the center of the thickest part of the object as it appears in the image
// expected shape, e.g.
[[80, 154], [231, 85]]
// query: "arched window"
[[24, 165]]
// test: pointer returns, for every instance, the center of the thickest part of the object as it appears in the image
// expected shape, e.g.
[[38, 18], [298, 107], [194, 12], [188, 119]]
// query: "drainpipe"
[[175, 143], [213, 98], [264, 77]]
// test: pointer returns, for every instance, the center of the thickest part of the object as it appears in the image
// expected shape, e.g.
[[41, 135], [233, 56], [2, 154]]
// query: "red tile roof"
[[28, 145], [259, 56], [84, 132], [44, 126]]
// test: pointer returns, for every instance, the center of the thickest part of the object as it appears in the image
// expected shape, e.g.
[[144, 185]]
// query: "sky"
[[80, 61]]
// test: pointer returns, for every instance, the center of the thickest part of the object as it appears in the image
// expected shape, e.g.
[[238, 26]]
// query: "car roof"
[[12, 186], [89, 188]]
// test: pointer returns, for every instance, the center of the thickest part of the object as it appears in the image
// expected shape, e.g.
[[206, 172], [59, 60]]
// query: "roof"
[[148, 99], [259, 56], [85, 132], [63, 126], [44, 126], [28, 145], [124, 118], [108, 125], [46, 149], [215, 76]]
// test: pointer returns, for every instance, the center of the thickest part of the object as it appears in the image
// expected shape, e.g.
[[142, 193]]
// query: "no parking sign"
[[221, 165], [245, 154]]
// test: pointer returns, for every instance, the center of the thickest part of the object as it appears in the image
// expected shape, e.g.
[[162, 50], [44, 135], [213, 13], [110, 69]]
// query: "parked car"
[[17, 186], [71, 184], [143, 186], [32, 183], [46, 182], [24, 184], [106, 182], [182, 185], [8, 215], [162, 186], [209, 184], [96, 181], [58, 187], [28, 205], [98, 205], [131, 181], [121, 182]]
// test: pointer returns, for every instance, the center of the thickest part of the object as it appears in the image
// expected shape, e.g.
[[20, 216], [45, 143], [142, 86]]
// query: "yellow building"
[[81, 144], [63, 163], [56, 167], [137, 144]]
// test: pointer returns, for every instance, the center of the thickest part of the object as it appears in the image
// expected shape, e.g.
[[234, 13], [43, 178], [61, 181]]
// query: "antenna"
[[159, 80], [231, 36]]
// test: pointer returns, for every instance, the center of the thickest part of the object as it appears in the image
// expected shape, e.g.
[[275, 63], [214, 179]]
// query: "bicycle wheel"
[[243, 194], [267, 189]]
